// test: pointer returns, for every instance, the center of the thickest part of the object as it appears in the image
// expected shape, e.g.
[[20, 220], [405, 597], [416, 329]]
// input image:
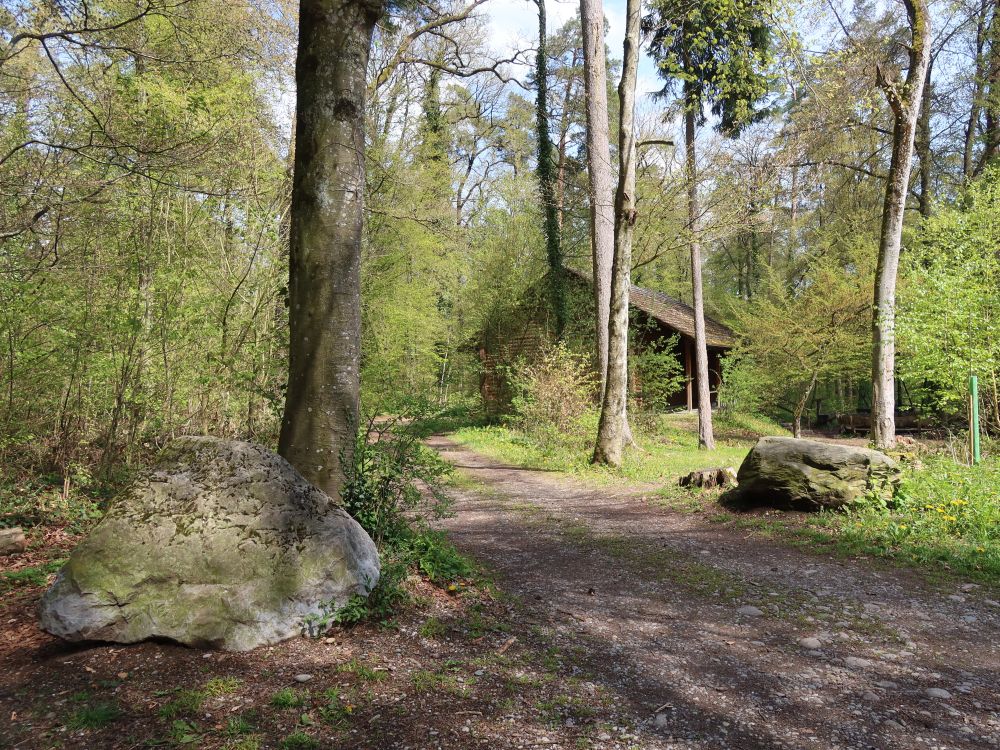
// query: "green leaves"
[[950, 304], [718, 50]]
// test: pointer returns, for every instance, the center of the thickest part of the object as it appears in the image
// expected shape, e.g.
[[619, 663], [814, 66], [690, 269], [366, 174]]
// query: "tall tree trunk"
[[613, 432], [324, 290], [547, 178], [978, 84], [991, 103], [564, 126], [602, 215], [800, 407], [922, 144], [904, 98], [706, 437]]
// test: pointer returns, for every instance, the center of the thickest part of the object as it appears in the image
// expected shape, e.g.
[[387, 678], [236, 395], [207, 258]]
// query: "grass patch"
[[944, 521], [426, 681], [287, 698], [184, 732], [95, 716], [432, 627], [221, 686], [362, 671], [241, 724], [338, 709], [34, 576], [299, 741], [186, 702], [945, 515], [437, 559], [667, 448], [251, 742]]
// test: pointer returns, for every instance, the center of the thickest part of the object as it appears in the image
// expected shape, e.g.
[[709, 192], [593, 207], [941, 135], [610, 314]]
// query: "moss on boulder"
[[223, 545]]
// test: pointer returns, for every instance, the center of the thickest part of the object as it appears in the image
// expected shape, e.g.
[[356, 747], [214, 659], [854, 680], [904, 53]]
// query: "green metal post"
[[974, 426]]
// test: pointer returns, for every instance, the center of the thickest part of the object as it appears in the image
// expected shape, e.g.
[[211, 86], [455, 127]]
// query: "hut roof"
[[672, 313]]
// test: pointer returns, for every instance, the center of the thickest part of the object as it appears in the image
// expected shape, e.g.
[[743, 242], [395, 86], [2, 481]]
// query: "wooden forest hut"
[[655, 317]]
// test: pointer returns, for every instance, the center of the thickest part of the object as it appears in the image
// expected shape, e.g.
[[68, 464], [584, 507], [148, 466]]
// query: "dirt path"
[[707, 637]]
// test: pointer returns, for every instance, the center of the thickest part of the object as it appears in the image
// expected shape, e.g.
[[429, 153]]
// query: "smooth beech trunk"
[[613, 432], [904, 98], [324, 292], [706, 436], [602, 213]]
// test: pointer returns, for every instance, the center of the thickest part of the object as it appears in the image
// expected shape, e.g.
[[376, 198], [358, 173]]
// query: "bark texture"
[[602, 215], [547, 179], [991, 106], [706, 436], [922, 144], [324, 289], [978, 86], [613, 432], [904, 98]]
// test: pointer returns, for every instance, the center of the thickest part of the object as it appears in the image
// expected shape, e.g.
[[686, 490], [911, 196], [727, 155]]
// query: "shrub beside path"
[[712, 637]]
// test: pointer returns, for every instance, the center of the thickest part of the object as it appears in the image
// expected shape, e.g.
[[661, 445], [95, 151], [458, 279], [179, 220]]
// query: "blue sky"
[[513, 21]]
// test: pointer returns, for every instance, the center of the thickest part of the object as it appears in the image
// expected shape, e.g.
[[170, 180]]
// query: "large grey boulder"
[[224, 545], [809, 475]]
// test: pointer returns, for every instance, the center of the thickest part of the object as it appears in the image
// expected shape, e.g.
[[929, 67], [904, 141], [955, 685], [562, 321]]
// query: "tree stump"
[[706, 479]]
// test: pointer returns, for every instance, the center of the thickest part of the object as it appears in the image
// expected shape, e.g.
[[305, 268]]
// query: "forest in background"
[[144, 194]]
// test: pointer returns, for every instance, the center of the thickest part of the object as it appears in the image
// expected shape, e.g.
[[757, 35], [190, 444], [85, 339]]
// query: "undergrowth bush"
[[394, 478], [658, 372], [74, 501], [553, 396], [943, 512], [394, 486]]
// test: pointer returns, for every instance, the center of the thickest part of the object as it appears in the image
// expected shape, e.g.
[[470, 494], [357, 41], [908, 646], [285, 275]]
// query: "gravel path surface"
[[708, 637]]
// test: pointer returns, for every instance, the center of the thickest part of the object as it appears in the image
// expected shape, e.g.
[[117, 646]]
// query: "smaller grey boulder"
[[12, 541], [223, 545], [809, 475]]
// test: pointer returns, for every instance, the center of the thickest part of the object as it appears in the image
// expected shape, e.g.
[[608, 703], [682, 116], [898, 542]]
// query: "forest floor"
[[609, 621], [710, 635]]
